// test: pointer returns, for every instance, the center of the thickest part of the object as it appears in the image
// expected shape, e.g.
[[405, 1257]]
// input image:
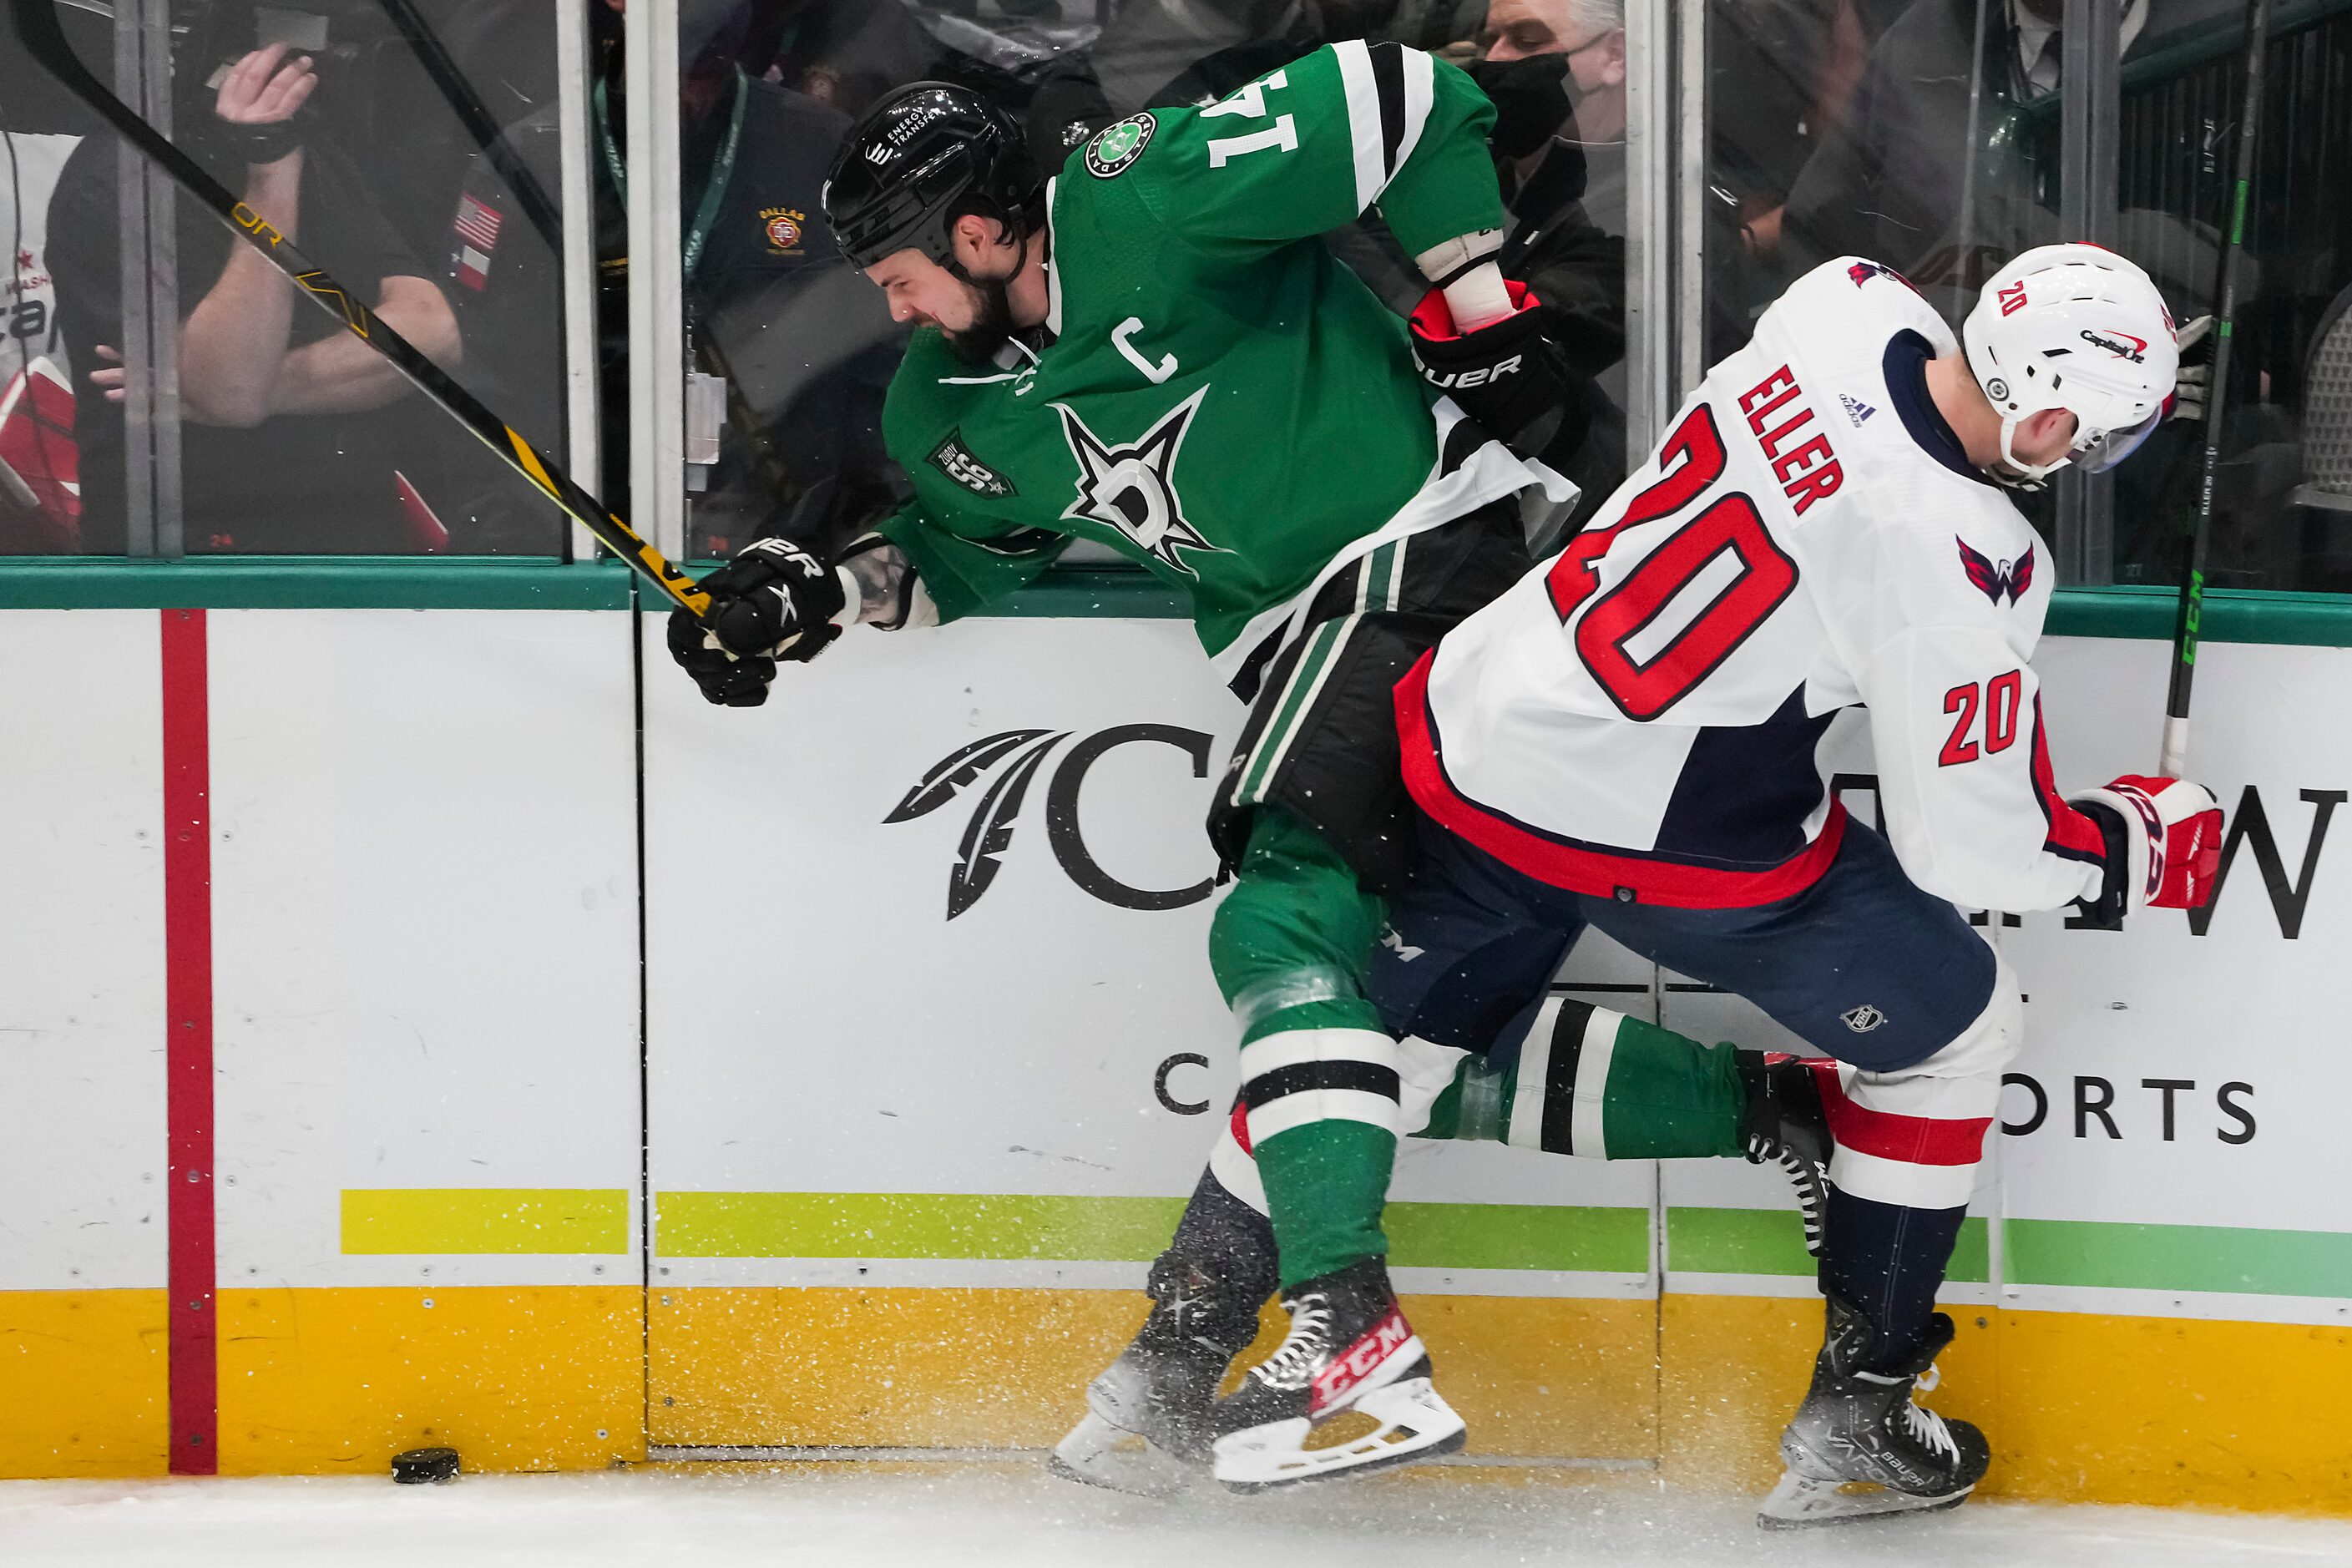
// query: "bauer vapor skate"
[[1147, 1428], [1859, 1447], [1784, 1124], [1349, 1350]]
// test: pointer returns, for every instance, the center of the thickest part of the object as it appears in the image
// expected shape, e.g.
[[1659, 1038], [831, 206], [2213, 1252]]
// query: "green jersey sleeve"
[[1312, 146], [964, 575]]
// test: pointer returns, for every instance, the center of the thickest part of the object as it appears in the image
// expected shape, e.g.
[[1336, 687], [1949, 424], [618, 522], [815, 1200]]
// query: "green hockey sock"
[[1319, 1076], [1326, 1182], [1595, 1082], [1319, 1080]]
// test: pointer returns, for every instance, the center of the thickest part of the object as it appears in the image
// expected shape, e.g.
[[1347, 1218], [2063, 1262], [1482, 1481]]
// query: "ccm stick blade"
[[36, 25]]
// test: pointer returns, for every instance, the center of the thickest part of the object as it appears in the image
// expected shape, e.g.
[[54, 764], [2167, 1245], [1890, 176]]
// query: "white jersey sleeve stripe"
[[1363, 120], [1420, 93]]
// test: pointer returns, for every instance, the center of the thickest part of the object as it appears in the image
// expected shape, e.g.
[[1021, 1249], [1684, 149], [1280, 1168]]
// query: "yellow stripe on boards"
[[84, 1385], [314, 1382], [1008, 1368], [2079, 1407], [510, 1220]]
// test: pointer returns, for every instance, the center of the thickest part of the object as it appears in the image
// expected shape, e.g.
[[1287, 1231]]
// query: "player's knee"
[[1964, 1072], [1914, 1136]]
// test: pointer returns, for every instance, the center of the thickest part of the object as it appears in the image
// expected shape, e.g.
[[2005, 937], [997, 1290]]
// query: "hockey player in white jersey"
[[1627, 739]]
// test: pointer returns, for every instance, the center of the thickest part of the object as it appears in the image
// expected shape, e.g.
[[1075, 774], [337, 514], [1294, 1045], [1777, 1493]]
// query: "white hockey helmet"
[[2075, 327]]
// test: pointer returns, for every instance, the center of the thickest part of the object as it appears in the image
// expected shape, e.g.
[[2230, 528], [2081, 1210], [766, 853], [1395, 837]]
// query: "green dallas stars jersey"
[[1221, 401]]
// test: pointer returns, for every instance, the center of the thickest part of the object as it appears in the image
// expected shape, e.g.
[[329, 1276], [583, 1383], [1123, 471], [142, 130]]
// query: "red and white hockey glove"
[[1505, 375], [2164, 843]]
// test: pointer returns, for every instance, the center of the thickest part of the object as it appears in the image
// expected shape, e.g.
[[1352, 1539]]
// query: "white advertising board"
[[873, 972]]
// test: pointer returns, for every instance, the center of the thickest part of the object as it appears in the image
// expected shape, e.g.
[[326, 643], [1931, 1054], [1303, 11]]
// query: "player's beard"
[[992, 322]]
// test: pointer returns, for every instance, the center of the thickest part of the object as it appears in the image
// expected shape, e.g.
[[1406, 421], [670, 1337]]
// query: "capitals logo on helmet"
[[2080, 328]]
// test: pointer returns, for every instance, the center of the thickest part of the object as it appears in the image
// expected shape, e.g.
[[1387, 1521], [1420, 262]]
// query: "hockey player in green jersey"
[[1151, 351]]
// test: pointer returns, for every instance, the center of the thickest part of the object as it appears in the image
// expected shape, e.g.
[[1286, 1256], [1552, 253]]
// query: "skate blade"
[[1416, 1425], [1098, 1454], [1802, 1502]]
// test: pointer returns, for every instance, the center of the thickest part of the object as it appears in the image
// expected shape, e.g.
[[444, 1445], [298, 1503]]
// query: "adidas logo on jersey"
[[1855, 408]]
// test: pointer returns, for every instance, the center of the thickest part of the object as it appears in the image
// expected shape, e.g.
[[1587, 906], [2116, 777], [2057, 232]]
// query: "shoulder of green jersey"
[[1117, 146]]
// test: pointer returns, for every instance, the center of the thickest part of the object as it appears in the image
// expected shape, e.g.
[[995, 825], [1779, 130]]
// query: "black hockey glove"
[[774, 601], [1507, 376]]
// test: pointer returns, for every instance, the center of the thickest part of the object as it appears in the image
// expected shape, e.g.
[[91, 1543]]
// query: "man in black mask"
[[1555, 72]]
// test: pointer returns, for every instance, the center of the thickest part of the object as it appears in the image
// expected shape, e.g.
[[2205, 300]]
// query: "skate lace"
[[1924, 1426], [1294, 1362], [1812, 1197]]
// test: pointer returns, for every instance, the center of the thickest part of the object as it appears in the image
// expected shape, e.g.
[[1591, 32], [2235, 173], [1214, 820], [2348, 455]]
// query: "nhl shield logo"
[[1119, 144], [1862, 1019]]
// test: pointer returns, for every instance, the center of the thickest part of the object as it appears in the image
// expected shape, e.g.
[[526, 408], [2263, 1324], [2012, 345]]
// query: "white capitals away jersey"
[[1640, 717]]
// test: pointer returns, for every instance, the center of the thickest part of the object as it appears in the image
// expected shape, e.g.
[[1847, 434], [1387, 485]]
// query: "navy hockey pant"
[[1863, 966]]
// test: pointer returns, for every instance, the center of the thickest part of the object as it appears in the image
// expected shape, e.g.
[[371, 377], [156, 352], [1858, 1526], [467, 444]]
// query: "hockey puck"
[[419, 1466]]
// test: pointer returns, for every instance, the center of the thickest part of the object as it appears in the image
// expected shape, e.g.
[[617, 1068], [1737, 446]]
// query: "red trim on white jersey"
[[2073, 834], [1672, 884]]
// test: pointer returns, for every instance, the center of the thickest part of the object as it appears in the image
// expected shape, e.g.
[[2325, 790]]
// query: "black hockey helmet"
[[921, 158]]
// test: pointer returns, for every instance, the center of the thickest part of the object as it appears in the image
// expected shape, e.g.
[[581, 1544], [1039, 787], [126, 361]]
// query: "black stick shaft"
[[36, 24], [2175, 756], [432, 55]]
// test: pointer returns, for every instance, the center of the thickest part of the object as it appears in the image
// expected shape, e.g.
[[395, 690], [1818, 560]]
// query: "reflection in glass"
[[294, 436]]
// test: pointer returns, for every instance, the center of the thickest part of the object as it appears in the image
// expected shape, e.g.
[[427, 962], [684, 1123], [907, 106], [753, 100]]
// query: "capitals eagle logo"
[[1133, 487], [1994, 580]]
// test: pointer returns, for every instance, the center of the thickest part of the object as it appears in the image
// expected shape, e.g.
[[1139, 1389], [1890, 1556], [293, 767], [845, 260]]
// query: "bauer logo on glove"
[[1505, 375]]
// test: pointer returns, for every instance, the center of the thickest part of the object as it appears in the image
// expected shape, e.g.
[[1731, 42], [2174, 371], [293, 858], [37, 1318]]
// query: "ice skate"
[[1349, 1350], [1785, 1124], [1860, 1447], [1147, 1427]]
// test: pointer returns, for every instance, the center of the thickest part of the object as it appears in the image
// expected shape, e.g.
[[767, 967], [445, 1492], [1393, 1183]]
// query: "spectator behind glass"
[[802, 346], [292, 429], [1888, 184], [847, 53], [1556, 71]]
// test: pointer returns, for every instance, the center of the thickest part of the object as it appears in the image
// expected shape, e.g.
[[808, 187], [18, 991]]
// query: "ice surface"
[[816, 1515]]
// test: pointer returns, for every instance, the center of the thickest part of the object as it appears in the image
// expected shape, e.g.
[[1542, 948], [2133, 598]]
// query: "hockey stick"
[[2174, 754], [36, 24], [432, 55]]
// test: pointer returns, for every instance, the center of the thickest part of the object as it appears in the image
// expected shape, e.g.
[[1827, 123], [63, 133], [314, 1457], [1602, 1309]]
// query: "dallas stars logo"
[[1133, 488]]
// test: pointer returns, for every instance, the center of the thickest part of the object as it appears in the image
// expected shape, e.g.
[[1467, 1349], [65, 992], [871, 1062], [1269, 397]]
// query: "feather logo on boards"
[[1010, 761]]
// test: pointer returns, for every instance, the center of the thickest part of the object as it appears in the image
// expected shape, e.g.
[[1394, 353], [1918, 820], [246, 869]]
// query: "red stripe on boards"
[[188, 1053]]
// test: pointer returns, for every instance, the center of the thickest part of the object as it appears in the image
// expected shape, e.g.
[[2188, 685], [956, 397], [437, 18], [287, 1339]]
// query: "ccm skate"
[[1349, 1350]]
